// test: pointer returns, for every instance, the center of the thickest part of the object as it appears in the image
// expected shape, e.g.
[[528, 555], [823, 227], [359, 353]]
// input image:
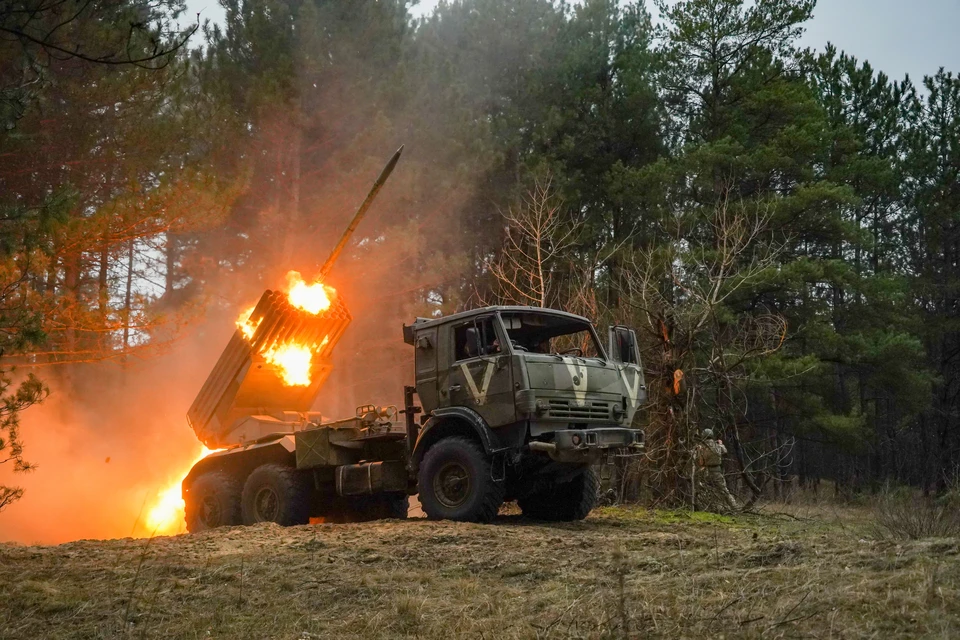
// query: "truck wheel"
[[564, 502], [456, 484], [276, 493], [212, 501]]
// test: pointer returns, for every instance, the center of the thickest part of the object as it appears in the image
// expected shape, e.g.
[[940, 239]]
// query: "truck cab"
[[534, 393]]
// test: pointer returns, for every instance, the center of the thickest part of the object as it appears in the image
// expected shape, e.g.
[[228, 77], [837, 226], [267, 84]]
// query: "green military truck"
[[515, 403], [519, 403]]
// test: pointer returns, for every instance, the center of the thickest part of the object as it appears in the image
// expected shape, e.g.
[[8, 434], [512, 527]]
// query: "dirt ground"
[[621, 573]]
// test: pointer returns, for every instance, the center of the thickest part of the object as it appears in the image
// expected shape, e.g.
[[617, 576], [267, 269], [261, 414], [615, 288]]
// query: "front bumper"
[[589, 445]]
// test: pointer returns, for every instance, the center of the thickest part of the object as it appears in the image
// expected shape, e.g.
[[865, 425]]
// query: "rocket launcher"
[[245, 397]]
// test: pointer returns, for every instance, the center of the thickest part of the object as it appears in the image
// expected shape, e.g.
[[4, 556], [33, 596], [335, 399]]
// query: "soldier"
[[710, 457]]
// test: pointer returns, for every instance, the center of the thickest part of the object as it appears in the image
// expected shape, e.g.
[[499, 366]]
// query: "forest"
[[781, 225]]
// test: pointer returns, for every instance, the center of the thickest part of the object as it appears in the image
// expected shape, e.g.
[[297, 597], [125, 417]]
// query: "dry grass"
[[621, 573]]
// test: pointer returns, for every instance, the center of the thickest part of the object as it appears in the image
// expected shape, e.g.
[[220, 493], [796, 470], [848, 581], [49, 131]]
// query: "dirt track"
[[621, 573]]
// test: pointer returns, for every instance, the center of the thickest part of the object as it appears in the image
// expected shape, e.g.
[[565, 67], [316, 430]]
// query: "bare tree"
[[537, 236], [697, 345]]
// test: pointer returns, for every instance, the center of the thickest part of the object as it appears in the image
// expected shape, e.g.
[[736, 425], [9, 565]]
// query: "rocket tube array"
[[280, 323]]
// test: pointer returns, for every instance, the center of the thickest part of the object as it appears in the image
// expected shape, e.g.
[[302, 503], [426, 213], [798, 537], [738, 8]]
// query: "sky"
[[897, 36]]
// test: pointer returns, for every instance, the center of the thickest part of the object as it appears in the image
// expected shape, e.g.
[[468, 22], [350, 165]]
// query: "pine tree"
[[931, 236]]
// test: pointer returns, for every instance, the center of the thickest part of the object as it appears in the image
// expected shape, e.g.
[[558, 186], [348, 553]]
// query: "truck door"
[[480, 377], [625, 352], [426, 368]]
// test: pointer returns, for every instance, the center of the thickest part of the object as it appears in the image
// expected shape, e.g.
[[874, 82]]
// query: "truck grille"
[[574, 411]]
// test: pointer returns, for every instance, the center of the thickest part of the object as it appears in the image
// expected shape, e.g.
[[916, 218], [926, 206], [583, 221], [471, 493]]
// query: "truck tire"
[[456, 483], [565, 502], [276, 493], [213, 501]]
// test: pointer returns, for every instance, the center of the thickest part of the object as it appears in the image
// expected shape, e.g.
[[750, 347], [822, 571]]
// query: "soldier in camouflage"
[[710, 457]]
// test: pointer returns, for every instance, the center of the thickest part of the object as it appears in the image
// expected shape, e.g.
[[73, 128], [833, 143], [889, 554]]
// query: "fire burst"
[[312, 298], [166, 515], [293, 360], [243, 323]]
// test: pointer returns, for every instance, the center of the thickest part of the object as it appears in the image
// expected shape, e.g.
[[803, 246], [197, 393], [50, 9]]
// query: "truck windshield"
[[549, 334]]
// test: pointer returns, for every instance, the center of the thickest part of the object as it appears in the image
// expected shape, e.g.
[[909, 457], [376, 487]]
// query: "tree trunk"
[[128, 297], [170, 266], [103, 291]]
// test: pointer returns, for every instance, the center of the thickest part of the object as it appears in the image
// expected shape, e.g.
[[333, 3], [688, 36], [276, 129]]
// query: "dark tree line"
[[780, 224]]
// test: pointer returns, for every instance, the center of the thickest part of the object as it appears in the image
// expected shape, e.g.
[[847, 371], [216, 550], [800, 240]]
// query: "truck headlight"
[[542, 406]]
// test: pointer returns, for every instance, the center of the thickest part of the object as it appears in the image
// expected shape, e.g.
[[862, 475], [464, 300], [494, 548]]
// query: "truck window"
[[544, 333], [578, 341], [475, 338]]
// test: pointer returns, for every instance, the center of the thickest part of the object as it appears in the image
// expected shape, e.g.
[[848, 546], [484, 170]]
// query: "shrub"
[[904, 514]]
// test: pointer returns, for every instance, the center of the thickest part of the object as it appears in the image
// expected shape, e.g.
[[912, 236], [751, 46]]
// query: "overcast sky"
[[896, 36]]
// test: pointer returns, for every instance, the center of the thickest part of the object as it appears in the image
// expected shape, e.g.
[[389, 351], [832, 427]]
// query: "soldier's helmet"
[[708, 434]]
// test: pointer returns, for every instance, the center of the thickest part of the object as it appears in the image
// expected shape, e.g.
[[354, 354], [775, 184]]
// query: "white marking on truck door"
[[479, 393], [633, 391]]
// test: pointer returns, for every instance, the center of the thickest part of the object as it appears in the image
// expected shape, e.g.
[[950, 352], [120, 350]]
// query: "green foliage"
[[109, 178], [25, 392]]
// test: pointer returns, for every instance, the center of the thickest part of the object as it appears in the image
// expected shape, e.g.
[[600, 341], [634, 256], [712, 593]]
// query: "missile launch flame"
[[312, 298], [165, 515], [293, 360], [245, 325]]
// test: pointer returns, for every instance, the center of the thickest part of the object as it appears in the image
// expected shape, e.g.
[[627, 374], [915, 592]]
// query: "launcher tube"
[[387, 170]]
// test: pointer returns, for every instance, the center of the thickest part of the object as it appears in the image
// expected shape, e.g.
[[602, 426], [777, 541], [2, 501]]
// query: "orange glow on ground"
[[165, 516]]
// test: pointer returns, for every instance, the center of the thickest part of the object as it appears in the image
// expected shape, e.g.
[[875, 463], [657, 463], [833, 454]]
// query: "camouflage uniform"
[[711, 458]]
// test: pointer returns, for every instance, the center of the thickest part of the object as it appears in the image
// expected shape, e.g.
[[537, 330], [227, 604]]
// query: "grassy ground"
[[621, 573]]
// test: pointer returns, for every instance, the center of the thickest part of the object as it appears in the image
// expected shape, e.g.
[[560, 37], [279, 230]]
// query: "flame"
[[312, 298], [293, 360], [243, 323], [166, 515]]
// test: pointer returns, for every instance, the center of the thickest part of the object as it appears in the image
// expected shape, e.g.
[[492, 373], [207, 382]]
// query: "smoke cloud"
[[106, 441]]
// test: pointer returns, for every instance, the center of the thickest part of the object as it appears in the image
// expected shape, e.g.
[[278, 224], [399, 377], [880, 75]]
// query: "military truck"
[[519, 403], [515, 403]]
